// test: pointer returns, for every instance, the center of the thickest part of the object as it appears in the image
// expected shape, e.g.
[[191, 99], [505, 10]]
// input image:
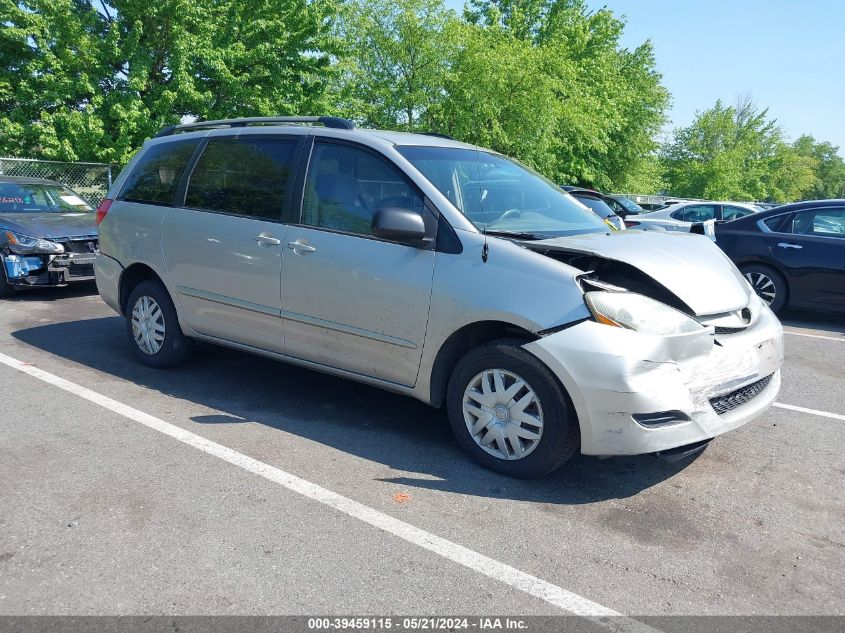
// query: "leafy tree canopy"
[[84, 80], [546, 81], [830, 168], [736, 153]]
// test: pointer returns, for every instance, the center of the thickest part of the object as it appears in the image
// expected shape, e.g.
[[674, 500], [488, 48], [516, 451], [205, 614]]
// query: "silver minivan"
[[442, 271]]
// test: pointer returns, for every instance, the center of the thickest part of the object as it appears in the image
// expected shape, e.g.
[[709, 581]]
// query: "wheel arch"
[[763, 261], [131, 277], [460, 342], [774, 267]]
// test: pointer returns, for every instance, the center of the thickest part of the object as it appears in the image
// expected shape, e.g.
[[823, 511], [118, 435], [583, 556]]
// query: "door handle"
[[788, 245], [301, 248], [267, 240]]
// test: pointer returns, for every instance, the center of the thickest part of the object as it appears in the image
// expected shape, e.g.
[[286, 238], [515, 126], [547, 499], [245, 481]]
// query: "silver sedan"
[[680, 217]]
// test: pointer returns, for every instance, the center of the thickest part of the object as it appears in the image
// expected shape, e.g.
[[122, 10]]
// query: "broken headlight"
[[25, 245], [637, 312]]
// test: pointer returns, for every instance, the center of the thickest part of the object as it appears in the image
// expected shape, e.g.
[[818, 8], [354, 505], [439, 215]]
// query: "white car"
[[681, 216]]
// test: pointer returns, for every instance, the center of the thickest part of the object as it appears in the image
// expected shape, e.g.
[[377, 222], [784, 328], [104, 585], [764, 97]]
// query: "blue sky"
[[789, 55]]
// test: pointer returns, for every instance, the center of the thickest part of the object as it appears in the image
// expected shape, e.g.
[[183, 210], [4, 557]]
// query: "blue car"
[[48, 235]]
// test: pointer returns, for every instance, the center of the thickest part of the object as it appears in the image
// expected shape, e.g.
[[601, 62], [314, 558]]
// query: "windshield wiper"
[[518, 235]]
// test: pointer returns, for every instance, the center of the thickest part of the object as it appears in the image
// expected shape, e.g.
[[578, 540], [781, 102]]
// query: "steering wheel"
[[510, 213]]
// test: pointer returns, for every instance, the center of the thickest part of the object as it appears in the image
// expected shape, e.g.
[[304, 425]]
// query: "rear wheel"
[[153, 327], [509, 412], [769, 285]]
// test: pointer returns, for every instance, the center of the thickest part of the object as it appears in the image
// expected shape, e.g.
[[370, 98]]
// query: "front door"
[[350, 300], [814, 252], [223, 249]]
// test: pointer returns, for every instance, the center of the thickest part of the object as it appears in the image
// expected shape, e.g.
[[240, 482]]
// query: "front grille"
[[81, 270], [729, 330], [734, 399]]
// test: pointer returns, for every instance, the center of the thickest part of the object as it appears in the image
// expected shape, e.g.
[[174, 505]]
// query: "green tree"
[[549, 82], [397, 56], [85, 80], [830, 168], [737, 153]]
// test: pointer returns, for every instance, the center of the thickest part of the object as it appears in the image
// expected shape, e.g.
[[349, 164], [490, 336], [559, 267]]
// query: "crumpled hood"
[[50, 225], [690, 266]]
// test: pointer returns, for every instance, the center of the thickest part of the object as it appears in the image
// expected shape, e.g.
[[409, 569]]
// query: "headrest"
[[338, 188]]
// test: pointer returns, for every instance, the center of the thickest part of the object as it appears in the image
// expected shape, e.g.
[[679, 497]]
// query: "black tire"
[[6, 290], [560, 436], [176, 347], [759, 276]]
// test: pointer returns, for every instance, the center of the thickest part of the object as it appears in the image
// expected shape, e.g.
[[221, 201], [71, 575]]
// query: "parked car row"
[[441, 271]]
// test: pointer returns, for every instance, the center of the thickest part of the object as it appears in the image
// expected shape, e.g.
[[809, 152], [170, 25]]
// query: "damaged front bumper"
[[42, 270], [637, 393]]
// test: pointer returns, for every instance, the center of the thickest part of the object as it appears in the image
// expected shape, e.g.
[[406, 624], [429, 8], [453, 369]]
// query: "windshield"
[[20, 197], [498, 194]]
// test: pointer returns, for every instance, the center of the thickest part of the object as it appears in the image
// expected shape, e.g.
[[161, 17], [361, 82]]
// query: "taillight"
[[104, 207], [631, 224]]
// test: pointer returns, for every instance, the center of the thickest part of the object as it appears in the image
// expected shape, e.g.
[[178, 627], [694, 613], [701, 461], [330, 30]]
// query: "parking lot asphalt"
[[103, 515]]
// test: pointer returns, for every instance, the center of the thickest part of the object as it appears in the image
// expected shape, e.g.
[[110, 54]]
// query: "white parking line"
[[502, 572], [824, 414], [841, 339]]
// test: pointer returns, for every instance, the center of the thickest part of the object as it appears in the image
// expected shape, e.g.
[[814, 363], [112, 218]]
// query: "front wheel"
[[509, 412], [153, 327]]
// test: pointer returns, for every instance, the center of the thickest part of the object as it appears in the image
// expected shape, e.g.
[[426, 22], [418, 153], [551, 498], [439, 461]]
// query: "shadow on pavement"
[[364, 421], [77, 289], [822, 321]]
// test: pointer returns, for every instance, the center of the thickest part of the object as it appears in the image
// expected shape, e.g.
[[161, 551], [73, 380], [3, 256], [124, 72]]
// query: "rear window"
[[246, 177], [695, 213], [599, 206], [775, 223], [156, 176]]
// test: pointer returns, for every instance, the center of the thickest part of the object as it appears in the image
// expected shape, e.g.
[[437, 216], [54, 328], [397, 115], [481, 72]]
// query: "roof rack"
[[327, 121], [439, 135]]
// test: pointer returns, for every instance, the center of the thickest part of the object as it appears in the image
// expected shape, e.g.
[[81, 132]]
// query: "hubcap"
[[148, 325], [763, 286], [503, 414]]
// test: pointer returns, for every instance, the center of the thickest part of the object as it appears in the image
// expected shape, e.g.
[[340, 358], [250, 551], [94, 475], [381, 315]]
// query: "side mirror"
[[401, 225]]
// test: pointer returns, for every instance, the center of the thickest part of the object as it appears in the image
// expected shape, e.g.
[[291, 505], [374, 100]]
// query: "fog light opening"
[[660, 419]]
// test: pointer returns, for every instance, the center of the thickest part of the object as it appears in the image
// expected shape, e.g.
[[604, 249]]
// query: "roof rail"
[[327, 121]]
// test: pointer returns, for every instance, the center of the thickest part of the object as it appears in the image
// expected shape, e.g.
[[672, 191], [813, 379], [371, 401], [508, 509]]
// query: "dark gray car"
[[48, 235]]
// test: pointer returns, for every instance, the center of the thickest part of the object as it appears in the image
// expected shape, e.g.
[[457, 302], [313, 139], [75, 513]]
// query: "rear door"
[[350, 300], [223, 247], [812, 246]]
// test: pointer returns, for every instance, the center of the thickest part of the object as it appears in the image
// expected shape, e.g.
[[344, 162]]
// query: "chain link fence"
[[89, 180]]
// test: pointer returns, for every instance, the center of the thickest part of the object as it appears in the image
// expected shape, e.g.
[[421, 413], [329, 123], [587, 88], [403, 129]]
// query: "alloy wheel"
[[148, 325], [503, 414], [763, 285]]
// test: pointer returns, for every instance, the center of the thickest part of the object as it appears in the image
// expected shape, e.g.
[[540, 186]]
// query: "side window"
[[822, 222], [734, 213], [696, 213], [156, 176], [345, 186], [246, 177]]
